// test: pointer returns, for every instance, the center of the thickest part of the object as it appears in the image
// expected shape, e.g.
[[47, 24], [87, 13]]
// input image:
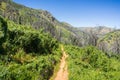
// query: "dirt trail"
[[62, 74]]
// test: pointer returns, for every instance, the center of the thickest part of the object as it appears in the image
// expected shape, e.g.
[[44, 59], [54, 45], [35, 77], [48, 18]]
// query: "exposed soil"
[[62, 74]]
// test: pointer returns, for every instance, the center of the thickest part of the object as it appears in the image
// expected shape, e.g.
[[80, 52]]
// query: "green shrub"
[[30, 54], [3, 32], [89, 63]]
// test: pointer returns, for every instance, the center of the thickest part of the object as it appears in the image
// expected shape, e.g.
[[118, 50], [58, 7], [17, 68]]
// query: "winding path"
[[62, 74]]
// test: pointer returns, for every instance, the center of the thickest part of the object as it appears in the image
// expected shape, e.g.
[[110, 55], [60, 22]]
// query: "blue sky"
[[80, 13]]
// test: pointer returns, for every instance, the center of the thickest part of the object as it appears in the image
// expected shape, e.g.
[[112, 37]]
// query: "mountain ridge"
[[42, 19]]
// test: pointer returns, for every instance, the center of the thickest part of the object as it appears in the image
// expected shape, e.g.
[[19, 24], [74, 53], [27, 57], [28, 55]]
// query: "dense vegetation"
[[89, 63], [26, 54]]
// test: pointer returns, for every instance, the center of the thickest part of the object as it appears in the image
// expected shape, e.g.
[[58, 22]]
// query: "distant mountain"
[[99, 30], [42, 19]]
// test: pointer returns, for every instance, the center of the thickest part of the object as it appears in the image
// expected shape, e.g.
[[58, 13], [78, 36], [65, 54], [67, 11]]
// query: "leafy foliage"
[[28, 54], [39, 67], [3, 33], [89, 63], [29, 39]]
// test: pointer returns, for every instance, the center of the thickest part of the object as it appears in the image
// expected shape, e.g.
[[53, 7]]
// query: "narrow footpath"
[[62, 74]]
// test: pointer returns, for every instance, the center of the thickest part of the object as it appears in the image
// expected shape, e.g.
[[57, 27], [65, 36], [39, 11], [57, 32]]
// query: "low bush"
[[89, 63]]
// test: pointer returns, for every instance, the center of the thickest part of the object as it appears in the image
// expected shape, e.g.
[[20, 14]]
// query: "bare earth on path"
[[62, 74]]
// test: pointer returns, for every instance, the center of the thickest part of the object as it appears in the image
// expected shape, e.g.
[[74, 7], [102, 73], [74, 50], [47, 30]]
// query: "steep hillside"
[[41, 19], [26, 54], [110, 42]]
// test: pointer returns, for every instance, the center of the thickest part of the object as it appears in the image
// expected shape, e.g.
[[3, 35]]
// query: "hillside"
[[41, 19], [110, 42], [26, 54]]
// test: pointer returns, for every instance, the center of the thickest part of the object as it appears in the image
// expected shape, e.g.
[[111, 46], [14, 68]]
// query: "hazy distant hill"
[[99, 30]]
